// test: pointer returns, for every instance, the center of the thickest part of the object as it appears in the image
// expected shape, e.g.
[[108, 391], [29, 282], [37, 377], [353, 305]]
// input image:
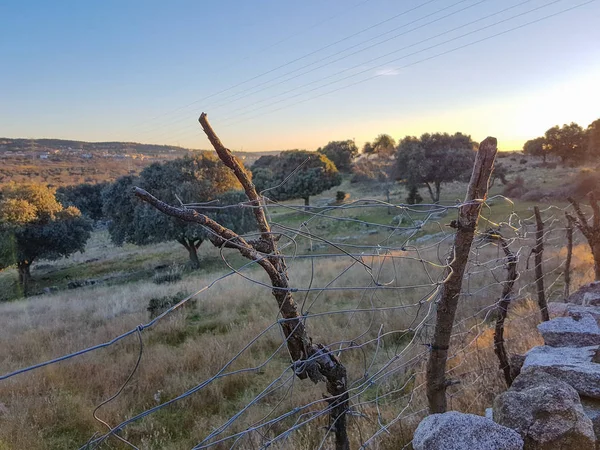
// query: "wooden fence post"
[[538, 257], [468, 216]]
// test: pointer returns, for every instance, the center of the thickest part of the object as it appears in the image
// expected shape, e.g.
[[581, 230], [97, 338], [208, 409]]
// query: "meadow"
[[365, 290]]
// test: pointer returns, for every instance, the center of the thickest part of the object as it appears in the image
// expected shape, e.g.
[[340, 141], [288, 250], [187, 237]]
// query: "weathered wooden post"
[[468, 216]]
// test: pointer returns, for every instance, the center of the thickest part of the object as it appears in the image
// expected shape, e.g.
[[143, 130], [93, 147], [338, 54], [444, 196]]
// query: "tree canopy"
[[567, 142], [536, 147], [34, 225], [593, 138], [434, 159], [198, 179], [383, 145], [295, 174], [85, 197], [341, 153]]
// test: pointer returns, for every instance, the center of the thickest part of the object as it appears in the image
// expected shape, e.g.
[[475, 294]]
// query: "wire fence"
[[370, 296]]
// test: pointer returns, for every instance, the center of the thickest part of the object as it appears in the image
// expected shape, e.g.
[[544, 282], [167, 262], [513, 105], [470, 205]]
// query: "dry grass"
[[52, 408]]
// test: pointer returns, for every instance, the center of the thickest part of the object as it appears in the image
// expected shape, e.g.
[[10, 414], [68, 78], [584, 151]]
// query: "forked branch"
[[591, 233], [314, 361]]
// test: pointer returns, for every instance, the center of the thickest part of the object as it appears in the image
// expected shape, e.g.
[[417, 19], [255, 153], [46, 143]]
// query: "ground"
[[379, 297]]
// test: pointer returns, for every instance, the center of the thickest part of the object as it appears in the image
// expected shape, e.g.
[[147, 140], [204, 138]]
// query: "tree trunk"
[[431, 194], [192, 247], [466, 225], [193, 253], [438, 188], [24, 276], [306, 203]]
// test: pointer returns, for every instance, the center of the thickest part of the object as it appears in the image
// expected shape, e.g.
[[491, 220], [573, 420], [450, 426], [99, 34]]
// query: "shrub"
[[413, 196], [516, 188], [170, 276], [158, 305], [341, 196]]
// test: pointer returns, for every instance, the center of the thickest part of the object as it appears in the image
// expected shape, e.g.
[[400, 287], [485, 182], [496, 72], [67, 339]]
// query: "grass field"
[[52, 408]]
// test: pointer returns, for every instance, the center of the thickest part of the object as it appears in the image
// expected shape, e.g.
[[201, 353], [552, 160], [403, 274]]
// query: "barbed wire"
[[389, 289]]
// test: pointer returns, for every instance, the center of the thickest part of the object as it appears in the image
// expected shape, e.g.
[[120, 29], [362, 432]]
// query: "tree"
[[536, 147], [434, 159], [341, 153], [198, 179], [567, 142], [295, 174], [384, 145], [593, 139], [368, 149], [34, 225], [86, 197]]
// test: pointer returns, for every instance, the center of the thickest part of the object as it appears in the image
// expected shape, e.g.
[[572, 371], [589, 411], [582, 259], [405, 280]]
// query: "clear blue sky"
[[144, 70]]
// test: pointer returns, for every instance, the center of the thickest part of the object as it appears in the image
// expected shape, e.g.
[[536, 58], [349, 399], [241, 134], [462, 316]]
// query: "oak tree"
[[295, 174], [434, 159], [199, 179], [34, 225]]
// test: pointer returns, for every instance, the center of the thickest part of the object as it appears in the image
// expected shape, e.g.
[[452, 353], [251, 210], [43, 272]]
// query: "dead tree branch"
[[466, 224], [314, 361], [591, 233], [503, 303], [538, 252], [569, 254]]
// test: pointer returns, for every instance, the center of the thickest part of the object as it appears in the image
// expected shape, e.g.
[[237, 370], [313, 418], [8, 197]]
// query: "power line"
[[269, 83], [300, 58], [416, 62]]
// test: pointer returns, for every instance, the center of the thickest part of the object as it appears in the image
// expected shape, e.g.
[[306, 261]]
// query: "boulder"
[[570, 310], [588, 295], [458, 431], [591, 408], [573, 365], [516, 362], [573, 331], [546, 412]]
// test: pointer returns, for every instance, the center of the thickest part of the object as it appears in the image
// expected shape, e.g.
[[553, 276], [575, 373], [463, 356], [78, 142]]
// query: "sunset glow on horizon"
[[298, 76]]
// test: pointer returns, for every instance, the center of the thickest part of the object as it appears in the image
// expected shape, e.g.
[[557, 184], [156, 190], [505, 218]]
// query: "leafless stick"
[[569, 254], [539, 274], [591, 233], [503, 304]]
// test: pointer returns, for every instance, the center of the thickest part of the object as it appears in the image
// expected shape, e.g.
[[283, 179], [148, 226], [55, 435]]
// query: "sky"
[[276, 74]]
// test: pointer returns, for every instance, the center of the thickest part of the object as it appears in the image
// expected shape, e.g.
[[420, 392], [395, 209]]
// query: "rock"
[[489, 413], [570, 310], [588, 295], [556, 309], [458, 431], [591, 408], [516, 364], [573, 331], [546, 412], [399, 220], [572, 365]]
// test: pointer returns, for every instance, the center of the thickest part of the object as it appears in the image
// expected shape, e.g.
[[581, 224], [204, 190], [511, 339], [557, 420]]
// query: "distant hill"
[[48, 145], [60, 162]]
